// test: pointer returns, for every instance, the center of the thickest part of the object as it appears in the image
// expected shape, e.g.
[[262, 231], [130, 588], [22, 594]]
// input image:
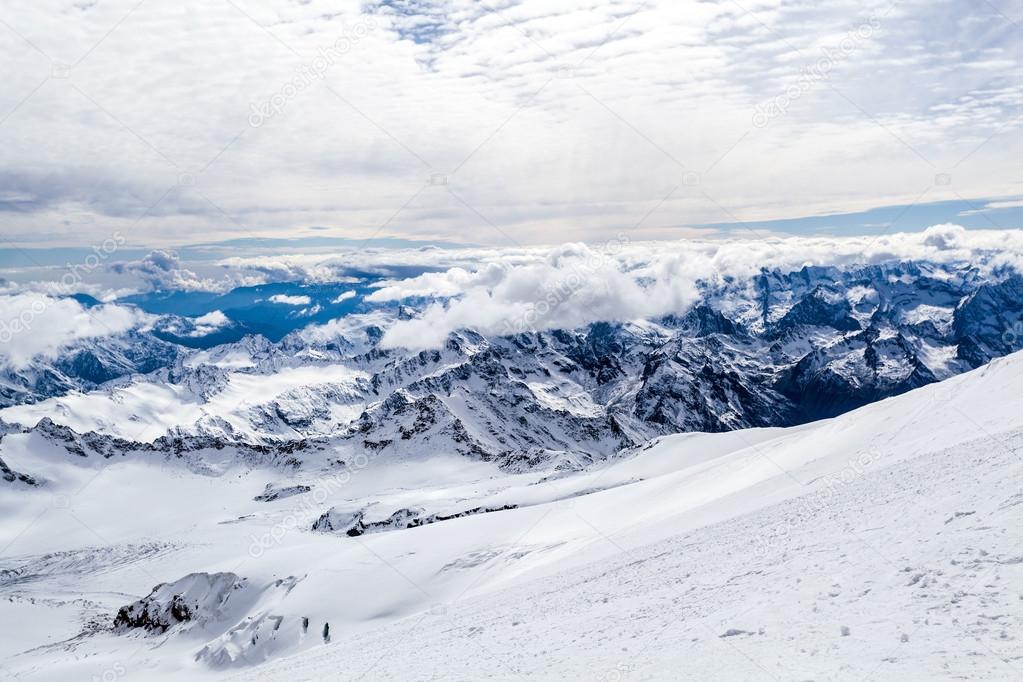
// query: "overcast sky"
[[498, 122]]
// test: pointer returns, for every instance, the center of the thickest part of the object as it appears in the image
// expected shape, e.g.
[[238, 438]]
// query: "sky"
[[502, 122]]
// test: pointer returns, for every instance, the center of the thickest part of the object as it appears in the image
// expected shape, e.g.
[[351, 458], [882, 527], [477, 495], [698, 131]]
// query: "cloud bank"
[[572, 285], [38, 326], [509, 290], [286, 299], [162, 270]]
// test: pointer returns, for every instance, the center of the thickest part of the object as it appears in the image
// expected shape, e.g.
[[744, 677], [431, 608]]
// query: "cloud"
[[521, 122], [993, 206], [945, 237], [38, 326], [287, 267], [162, 270], [196, 327], [572, 285], [449, 283], [363, 328], [202, 325], [506, 290], [209, 323], [414, 274], [285, 299], [344, 296]]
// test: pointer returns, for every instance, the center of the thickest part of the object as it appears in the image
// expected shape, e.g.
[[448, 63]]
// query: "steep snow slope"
[[883, 543]]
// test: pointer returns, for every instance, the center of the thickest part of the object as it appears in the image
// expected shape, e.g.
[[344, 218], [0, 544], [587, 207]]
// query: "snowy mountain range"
[[823, 460], [777, 350]]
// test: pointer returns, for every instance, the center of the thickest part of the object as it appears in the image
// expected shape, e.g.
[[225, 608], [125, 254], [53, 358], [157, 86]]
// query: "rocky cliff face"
[[195, 599], [989, 322]]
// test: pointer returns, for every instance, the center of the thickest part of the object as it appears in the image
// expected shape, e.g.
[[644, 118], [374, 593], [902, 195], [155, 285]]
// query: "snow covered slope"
[[881, 544]]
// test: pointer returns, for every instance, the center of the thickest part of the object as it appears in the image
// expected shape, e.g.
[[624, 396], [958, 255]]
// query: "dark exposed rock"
[[353, 524], [9, 475], [277, 452], [196, 597], [989, 322], [271, 493], [822, 308]]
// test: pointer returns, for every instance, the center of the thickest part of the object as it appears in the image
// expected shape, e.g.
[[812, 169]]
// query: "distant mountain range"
[[778, 349]]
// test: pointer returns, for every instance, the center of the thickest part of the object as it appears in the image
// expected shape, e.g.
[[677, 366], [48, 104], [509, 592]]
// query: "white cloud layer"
[[523, 121], [506, 290], [344, 296], [209, 323], [569, 286], [503, 289], [285, 299], [162, 270], [34, 325]]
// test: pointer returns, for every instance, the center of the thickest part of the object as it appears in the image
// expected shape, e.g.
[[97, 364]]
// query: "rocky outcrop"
[[277, 452], [989, 322], [9, 475], [198, 597], [353, 524], [272, 493]]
